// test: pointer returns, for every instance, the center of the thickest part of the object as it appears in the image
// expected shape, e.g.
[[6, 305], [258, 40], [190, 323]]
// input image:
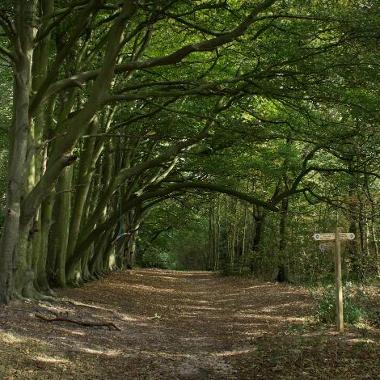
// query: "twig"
[[57, 318]]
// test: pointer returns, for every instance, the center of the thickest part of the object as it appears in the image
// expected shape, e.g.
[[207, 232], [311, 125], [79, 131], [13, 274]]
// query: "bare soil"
[[181, 325]]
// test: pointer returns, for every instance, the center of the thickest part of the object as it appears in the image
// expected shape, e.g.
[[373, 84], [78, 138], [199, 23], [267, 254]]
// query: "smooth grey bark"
[[62, 237], [84, 176], [25, 16], [76, 126]]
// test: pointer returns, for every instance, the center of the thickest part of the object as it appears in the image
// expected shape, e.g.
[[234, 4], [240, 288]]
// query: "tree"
[[110, 120]]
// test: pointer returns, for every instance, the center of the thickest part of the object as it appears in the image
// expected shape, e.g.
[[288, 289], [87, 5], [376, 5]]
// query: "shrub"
[[155, 258], [353, 298]]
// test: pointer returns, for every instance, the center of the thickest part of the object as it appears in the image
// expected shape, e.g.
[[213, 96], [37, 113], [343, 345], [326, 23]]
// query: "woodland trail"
[[181, 325]]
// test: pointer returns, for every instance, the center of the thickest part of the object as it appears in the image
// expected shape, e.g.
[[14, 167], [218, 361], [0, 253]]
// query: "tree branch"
[[170, 59], [172, 187]]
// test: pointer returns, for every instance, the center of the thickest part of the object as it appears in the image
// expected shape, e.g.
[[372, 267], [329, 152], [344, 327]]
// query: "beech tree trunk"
[[25, 18]]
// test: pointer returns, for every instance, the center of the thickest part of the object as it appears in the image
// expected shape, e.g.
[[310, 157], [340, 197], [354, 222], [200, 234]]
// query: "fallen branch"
[[57, 318]]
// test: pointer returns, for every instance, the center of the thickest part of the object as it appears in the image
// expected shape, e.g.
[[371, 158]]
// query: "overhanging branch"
[[170, 59]]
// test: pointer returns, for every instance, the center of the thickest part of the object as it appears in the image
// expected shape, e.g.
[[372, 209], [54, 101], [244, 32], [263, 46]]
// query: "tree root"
[[45, 297], [60, 318]]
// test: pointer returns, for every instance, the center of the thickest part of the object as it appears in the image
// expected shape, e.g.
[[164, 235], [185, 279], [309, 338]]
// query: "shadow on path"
[[181, 325]]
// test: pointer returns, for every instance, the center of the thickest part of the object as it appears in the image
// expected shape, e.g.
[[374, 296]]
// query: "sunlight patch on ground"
[[100, 351], [228, 300], [163, 354], [202, 307], [188, 314], [88, 305], [72, 332], [254, 334], [152, 289], [194, 339], [264, 285], [281, 318], [10, 338], [235, 352], [50, 359], [166, 278], [128, 318], [362, 340], [193, 293]]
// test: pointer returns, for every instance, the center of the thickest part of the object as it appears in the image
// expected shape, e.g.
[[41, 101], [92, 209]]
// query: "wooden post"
[[338, 236], [338, 282]]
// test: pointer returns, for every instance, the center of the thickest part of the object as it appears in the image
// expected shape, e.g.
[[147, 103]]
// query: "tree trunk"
[[282, 274], [87, 161], [258, 229], [62, 230], [25, 17]]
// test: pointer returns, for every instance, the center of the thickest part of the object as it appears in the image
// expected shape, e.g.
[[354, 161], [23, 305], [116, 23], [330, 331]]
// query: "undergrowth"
[[354, 300]]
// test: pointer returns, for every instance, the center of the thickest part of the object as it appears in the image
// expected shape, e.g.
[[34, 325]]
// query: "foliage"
[[210, 134], [156, 258], [353, 299], [174, 236]]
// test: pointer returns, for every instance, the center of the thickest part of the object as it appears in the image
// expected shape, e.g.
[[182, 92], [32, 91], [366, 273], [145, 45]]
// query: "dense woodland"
[[204, 134]]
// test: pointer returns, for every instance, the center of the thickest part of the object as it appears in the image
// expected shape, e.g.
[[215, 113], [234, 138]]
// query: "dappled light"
[[184, 331], [144, 288], [49, 359], [234, 352], [10, 338]]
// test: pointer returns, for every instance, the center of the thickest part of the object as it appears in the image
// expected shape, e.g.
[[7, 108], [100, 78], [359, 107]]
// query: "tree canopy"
[[250, 123]]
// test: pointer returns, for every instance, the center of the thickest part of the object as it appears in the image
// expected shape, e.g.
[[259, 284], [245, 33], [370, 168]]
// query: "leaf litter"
[[181, 325]]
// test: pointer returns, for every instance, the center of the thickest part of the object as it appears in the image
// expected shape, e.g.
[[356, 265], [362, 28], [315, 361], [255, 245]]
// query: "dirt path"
[[181, 325]]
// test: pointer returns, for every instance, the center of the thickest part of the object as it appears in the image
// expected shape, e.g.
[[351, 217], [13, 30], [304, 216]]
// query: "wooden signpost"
[[338, 236]]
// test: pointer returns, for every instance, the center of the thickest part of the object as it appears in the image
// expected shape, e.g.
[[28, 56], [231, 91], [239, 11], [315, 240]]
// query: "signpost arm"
[[338, 282]]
